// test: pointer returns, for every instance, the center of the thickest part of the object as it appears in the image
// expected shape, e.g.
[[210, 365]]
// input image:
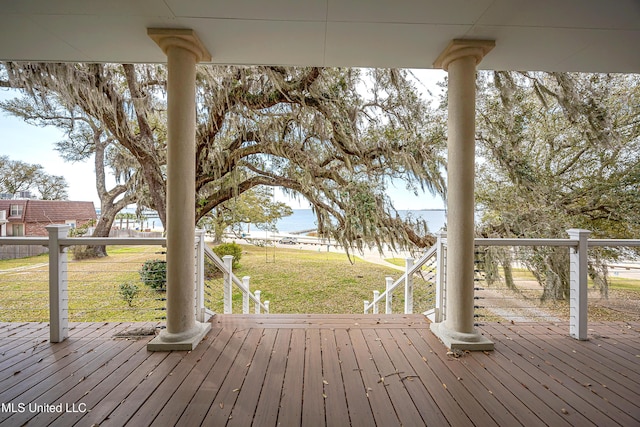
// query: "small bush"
[[128, 291], [230, 249], [154, 274]]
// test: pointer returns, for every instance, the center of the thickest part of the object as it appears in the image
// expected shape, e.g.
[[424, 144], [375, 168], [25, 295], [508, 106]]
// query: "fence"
[[60, 274], [578, 244]]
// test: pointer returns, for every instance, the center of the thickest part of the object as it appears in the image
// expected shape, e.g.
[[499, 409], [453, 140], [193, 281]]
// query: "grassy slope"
[[294, 281]]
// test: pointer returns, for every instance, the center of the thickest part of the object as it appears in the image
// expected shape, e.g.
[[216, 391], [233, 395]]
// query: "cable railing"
[[426, 265], [520, 304], [105, 289]]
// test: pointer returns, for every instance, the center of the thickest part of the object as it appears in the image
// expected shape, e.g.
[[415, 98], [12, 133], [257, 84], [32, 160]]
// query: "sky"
[[35, 145]]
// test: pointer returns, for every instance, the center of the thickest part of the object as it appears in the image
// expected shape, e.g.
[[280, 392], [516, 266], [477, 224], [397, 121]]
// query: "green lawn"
[[295, 281], [93, 287], [316, 282]]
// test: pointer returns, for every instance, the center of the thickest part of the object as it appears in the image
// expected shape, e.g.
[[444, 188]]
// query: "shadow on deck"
[[331, 370]]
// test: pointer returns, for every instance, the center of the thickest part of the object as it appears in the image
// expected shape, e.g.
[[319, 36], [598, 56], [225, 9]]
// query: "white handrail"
[[220, 264], [416, 267]]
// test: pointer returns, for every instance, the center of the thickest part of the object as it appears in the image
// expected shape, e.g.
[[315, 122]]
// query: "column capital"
[[459, 48], [184, 38]]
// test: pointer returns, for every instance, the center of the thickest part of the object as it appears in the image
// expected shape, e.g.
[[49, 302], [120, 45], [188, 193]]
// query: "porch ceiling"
[[550, 35]]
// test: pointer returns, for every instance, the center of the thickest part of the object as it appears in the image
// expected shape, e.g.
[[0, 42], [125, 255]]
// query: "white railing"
[[578, 244], [411, 268], [230, 279], [58, 243]]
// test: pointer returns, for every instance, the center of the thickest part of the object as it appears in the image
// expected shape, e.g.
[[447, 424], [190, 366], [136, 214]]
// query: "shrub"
[[154, 274], [230, 249], [128, 291]]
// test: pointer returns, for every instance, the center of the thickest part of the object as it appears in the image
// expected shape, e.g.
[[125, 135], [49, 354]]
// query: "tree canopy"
[[559, 151], [17, 176], [333, 136]]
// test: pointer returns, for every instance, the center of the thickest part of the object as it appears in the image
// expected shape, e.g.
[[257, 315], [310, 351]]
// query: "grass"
[[316, 282], [623, 284], [93, 287], [293, 280], [7, 264]]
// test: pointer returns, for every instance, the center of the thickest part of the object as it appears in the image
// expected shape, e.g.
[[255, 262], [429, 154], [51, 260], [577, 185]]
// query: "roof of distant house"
[[51, 211]]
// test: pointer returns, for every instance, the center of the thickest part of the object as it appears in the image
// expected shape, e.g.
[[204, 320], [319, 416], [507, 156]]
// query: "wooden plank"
[[249, 392], [321, 321], [600, 366], [168, 388], [47, 389], [202, 402], [290, 413], [38, 358], [130, 405], [227, 394], [313, 413], [171, 411], [90, 391], [536, 369], [51, 369], [119, 389], [580, 405], [13, 355], [269, 402], [396, 342], [562, 378], [360, 413], [425, 342], [334, 391], [541, 387], [401, 400], [382, 409]]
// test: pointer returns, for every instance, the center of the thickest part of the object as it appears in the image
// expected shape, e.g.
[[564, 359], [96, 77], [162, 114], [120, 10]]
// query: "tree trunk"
[[508, 272]]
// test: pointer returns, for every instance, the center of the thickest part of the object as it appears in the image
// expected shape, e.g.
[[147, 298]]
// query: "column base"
[[184, 341], [461, 341]]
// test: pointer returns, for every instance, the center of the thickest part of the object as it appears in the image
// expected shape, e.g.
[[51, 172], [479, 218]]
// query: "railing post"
[[389, 282], [227, 297], [376, 295], [199, 300], [245, 295], [266, 306], [578, 268], [440, 277], [58, 294], [257, 294], [366, 305], [408, 287]]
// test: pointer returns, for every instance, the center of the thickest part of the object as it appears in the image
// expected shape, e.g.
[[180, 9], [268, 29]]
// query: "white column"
[[183, 50], [460, 60]]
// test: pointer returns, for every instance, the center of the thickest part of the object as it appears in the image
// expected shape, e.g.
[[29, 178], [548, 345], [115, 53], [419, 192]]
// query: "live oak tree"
[[333, 136], [559, 151], [85, 139]]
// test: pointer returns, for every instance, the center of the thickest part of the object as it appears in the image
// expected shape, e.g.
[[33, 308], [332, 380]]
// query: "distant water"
[[305, 219]]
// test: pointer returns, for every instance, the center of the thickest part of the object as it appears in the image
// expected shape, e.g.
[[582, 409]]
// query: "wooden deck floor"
[[321, 370]]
